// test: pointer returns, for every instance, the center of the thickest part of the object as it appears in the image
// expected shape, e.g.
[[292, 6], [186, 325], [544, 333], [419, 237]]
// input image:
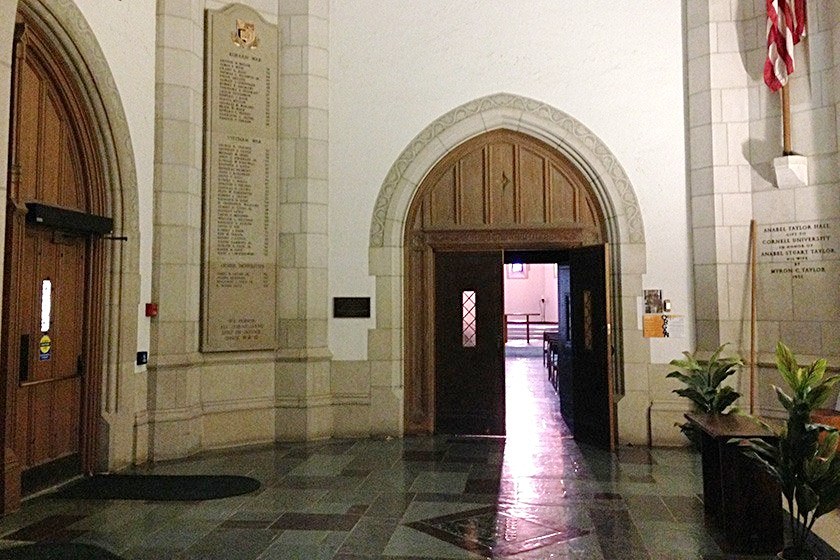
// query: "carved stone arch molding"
[[556, 128], [608, 184], [76, 44]]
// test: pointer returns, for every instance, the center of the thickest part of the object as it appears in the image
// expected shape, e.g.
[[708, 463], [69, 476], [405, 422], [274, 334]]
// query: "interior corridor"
[[535, 494]]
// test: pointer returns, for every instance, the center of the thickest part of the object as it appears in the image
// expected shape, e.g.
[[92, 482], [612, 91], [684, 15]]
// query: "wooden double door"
[[469, 345], [53, 277], [46, 327]]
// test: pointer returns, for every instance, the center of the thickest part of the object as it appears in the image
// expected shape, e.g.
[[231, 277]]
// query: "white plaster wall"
[[524, 294], [126, 33], [397, 66], [551, 290]]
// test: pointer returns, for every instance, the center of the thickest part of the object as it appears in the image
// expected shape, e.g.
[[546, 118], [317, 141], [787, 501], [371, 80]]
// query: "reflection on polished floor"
[[535, 494]]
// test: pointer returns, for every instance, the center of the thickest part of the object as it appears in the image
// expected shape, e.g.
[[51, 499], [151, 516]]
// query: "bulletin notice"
[[240, 181]]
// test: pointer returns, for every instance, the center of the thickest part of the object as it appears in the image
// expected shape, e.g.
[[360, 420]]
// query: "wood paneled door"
[[592, 380], [500, 191], [53, 277], [469, 346], [50, 319]]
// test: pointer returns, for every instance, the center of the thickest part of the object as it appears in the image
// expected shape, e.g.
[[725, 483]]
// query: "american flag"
[[786, 21]]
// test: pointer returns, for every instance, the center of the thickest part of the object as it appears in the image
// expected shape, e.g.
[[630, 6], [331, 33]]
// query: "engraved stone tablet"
[[798, 264], [240, 181]]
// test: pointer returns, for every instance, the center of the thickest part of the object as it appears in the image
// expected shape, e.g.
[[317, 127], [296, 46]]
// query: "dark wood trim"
[[9, 351]]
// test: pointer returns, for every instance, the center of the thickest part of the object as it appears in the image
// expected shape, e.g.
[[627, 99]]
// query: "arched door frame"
[[75, 42], [609, 185]]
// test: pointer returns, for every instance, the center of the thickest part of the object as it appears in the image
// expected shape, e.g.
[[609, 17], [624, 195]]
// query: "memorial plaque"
[[799, 248], [240, 181], [799, 263]]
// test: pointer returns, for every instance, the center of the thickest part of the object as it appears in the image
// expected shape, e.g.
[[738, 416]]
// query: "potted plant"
[[703, 388], [806, 465]]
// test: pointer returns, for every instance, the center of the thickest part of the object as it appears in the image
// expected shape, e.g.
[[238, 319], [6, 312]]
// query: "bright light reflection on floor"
[[522, 419], [531, 424]]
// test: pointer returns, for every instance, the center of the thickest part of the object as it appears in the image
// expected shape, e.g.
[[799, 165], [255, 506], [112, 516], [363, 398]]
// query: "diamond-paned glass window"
[[588, 335], [468, 318]]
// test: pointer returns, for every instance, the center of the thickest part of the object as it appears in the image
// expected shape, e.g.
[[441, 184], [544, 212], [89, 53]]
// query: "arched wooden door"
[[52, 281], [500, 191]]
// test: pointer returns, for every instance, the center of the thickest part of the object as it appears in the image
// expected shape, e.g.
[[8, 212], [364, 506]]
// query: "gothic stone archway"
[[502, 190], [610, 188]]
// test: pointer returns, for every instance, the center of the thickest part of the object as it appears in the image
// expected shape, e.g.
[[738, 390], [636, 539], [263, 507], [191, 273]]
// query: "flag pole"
[[786, 119]]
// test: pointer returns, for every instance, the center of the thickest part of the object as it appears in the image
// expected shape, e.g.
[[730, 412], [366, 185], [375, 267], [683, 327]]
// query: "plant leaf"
[[724, 397], [786, 401], [727, 368], [806, 499], [816, 371], [786, 364], [680, 376]]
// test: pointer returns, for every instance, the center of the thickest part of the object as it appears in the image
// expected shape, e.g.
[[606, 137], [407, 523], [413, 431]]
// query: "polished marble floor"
[[535, 494]]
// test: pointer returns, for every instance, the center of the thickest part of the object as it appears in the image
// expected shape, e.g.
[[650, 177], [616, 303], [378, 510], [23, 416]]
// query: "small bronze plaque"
[[351, 307]]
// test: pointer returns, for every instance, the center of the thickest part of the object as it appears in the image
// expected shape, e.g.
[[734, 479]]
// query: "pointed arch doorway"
[[500, 191], [54, 270]]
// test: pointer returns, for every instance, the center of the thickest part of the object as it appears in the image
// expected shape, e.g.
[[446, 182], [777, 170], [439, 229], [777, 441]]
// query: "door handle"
[[23, 359]]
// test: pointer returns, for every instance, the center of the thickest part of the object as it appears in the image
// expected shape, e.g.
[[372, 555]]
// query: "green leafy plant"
[[806, 466], [703, 388]]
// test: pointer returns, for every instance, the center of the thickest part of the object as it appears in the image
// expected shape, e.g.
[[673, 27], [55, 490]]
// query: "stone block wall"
[[735, 133], [202, 400]]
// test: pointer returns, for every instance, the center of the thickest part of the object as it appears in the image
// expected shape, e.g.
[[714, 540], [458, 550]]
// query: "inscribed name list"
[[240, 195]]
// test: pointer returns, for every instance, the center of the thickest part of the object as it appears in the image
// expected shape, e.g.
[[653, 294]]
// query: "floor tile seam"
[[134, 537], [49, 523], [601, 502], [12, 542], [630, 536], [189, 517], [189, 542], [641, 518], [117, 547]]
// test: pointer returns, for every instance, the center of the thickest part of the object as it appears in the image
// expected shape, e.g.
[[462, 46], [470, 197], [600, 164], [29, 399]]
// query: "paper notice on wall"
[[660, 325]]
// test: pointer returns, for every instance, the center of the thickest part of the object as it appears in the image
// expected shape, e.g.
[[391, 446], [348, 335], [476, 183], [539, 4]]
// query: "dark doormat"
[[189, 488], [56, 551]]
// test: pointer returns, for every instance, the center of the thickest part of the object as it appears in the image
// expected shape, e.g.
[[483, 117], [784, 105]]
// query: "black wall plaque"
[[351, 307]]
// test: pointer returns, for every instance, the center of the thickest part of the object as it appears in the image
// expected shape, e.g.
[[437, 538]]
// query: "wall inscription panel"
[[240, 181], [799, 263], [799, 248]]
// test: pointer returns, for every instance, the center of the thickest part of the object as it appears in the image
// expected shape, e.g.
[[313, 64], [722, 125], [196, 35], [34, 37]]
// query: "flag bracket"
[[791, 171]]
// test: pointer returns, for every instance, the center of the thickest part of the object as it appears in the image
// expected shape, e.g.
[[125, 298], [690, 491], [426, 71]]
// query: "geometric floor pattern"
[[534, 494], [493, 533]]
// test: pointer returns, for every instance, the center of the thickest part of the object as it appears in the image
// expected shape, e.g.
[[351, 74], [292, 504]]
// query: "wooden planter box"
[[827, 416]]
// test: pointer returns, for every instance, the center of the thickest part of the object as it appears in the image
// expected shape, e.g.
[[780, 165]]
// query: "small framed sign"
[[351, 307]]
